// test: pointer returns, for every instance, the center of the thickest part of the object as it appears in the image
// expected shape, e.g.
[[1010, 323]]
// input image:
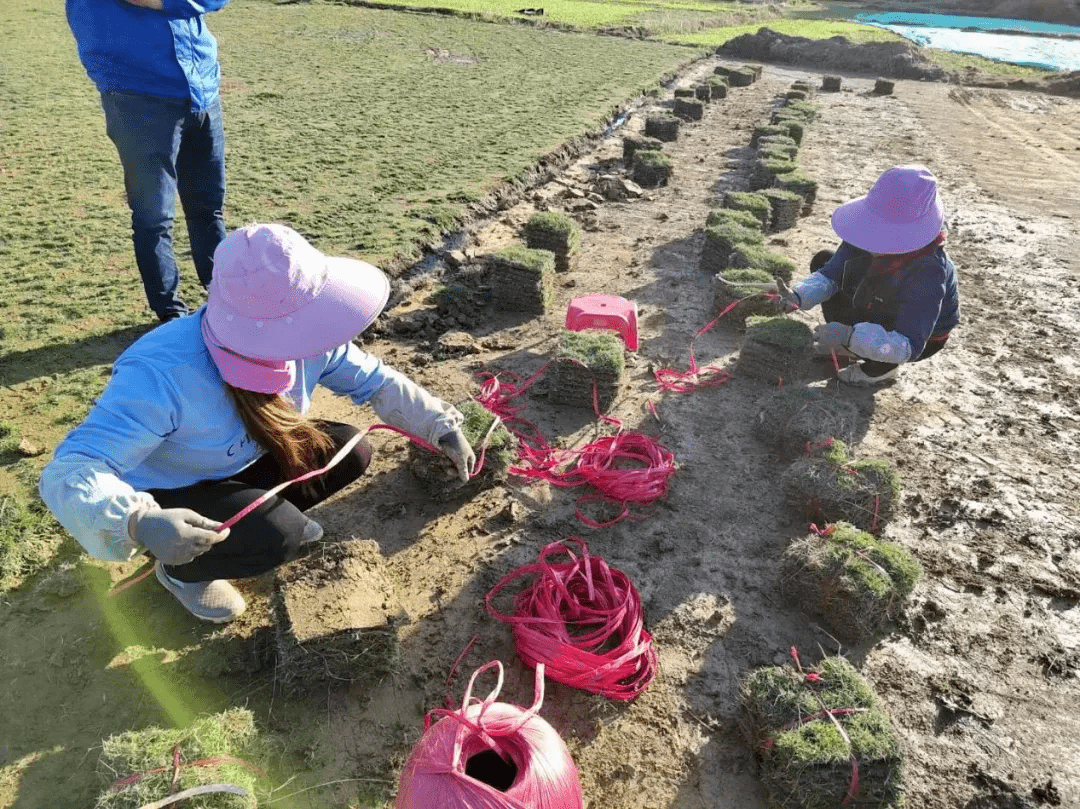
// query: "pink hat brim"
[[857, 224], [353, 295], [263, 376]]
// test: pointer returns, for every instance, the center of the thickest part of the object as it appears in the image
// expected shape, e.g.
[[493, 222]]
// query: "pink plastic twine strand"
[[628, 468], [710, 376], [476, 725], [346, 448], [583, 620], [693, 378], [831, 714]]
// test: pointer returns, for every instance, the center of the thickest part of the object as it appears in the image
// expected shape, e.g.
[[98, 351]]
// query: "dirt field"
[[981, 675]]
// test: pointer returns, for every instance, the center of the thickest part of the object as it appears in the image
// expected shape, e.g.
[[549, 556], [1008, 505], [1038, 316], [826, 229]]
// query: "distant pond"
[[1022, 42]]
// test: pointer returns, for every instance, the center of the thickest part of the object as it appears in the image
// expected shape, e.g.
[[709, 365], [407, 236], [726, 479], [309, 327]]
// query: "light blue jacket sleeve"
[[813, 290], [872, 342], [82, 485], [395, 398]]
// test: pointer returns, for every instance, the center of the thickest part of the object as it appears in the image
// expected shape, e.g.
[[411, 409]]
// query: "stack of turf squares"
[[743, 293], [489, 439], [725, 229], [796, 420], [786, 208], [832, 487], [586, 361], [775, 348], [771, 130], [756, 257], [689, 109], [634, 143], [752, 203], [799, 91], [822, 739], [855, 582], [740, 76], [796, 182], [336, 613], [733, 237], [780, 147], [775, 208], [522, 279], [718, 87], [219, 764], [768, 170], [557, 232], [458, 301], [650, 168], [662, 126], [795, 116], [777, 146]]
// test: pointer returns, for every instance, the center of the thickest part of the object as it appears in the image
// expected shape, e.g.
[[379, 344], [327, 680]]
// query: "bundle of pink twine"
[[490, 755], [582, 620]]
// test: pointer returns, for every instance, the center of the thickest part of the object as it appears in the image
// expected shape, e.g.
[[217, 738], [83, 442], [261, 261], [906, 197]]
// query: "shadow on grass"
[[62, 358]]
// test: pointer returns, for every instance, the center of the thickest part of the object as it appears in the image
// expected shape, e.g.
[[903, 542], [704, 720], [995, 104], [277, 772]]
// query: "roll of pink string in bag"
[[490, 755], [583, 621]]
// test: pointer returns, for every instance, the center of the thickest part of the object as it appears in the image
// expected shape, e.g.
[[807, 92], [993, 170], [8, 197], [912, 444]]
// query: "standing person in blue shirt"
[[204, 415], [888, 293], [155, 64]]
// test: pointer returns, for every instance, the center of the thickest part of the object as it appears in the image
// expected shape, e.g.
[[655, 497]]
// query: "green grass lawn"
[[962, 61], [812, 29], [654, 15]]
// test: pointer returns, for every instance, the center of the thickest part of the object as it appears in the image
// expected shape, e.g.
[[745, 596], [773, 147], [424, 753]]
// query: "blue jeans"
[[166, 149]]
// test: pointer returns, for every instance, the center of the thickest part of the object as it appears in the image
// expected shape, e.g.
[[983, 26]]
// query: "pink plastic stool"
[[604, 312]]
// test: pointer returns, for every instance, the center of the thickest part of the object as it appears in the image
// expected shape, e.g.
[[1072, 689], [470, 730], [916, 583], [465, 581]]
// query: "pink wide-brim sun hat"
[[276, 297], [901, 213]]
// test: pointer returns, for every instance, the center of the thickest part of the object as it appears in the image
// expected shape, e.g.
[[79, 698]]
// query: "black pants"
[[839, 309], [271, 533]]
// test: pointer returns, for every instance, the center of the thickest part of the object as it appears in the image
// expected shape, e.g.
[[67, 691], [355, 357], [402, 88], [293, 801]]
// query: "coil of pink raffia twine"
[[490, 755], [583, 621]]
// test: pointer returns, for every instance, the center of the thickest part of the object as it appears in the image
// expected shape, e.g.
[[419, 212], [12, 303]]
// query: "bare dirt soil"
[[981, 673]]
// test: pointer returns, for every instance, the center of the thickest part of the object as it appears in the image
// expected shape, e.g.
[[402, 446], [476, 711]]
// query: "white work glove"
[[832, 335], [403, 403], [789, 299], [174, 535], [456, 447]]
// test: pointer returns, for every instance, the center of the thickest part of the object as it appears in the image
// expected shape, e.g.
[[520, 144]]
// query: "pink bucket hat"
[[902, 213], [274, 298]]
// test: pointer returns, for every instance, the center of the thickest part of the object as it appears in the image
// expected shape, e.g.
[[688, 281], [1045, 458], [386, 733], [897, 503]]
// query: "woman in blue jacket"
[[889, 293], [203, 415]]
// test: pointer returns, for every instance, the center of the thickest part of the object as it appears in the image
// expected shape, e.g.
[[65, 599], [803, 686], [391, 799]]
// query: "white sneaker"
[[855, 375], [216, 601]]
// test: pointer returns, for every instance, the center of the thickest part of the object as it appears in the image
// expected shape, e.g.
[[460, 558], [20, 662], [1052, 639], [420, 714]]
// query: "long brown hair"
[[294, 441]]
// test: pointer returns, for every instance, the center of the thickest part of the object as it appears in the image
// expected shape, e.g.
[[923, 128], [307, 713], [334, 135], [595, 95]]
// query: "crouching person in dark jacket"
[[888, 293]]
